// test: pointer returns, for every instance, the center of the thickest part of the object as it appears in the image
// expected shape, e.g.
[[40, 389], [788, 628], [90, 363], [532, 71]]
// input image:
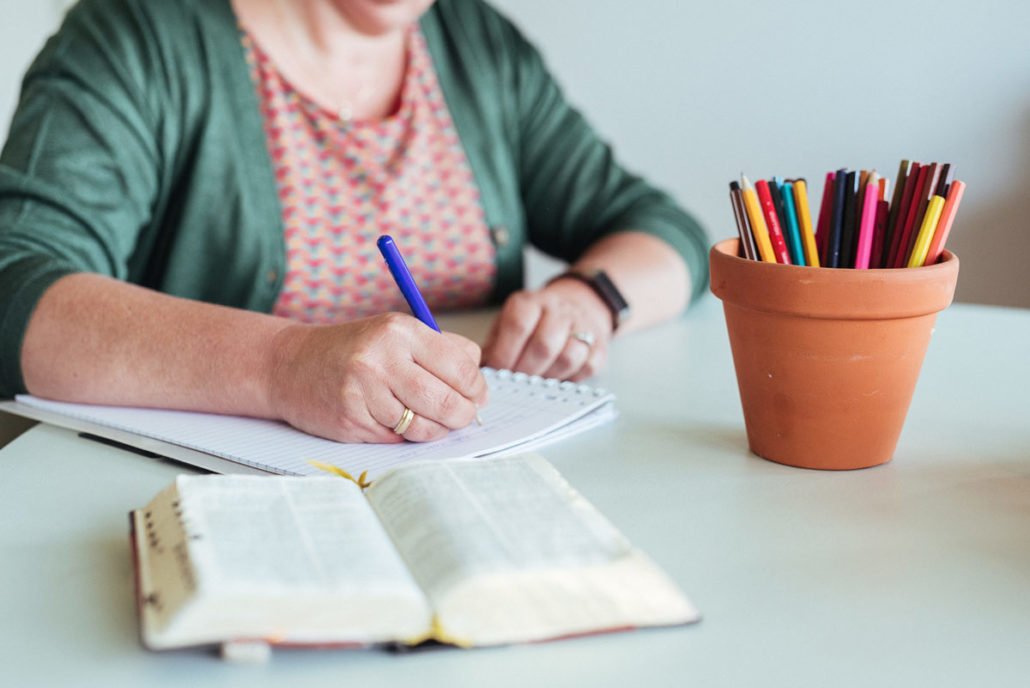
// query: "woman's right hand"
[[351, 382]]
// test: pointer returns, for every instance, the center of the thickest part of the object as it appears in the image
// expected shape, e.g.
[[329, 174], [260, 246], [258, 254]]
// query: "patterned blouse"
[[342, 183]]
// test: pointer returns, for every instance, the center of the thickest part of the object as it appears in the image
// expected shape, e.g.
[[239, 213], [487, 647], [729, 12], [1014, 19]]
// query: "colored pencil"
[[758, 228], [776, 191], [805, 220], [944, 180], [822, 228], [797, 251], [925, 194], [922, 243], [836, 220], [892, 216], [879, 234], [772, 221], [940, 235], [747, 245], [864, 247], [849, 231], [907, 219]]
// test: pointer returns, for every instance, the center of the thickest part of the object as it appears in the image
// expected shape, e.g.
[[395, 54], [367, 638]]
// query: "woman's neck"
[[324, 55]]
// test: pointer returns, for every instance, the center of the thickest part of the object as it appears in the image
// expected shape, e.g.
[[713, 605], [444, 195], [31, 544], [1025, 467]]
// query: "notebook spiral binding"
[[551, 385]]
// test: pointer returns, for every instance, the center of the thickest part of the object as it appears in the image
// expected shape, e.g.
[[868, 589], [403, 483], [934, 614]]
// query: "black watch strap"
[[603, 286]]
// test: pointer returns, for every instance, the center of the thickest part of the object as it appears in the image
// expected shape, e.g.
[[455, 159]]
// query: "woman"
[[191, 190]]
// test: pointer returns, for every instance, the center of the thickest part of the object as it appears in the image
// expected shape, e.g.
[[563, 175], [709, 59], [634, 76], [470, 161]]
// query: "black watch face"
[[611, 295]]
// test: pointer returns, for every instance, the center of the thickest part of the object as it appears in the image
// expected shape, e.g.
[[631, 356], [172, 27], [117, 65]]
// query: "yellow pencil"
[[758, 228], [805, 219], [925, 236]]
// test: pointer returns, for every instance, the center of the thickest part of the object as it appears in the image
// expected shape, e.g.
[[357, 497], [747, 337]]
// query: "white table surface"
[[912, 573]]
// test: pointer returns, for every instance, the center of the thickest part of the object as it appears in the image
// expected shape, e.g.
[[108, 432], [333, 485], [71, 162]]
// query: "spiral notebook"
[[524, 413]]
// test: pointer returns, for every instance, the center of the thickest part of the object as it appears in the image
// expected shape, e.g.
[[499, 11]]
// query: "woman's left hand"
[[559, 331]]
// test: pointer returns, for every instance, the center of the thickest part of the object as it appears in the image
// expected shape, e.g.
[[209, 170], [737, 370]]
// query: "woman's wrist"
[[575, 290], [284, 347]]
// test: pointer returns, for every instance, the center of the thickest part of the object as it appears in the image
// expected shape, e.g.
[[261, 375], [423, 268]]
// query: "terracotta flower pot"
[[827, 359]]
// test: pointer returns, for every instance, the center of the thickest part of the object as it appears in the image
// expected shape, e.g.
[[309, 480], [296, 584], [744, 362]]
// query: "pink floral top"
[[343, 183]]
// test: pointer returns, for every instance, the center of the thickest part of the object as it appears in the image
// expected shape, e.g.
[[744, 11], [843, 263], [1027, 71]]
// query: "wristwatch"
[[603, 286]]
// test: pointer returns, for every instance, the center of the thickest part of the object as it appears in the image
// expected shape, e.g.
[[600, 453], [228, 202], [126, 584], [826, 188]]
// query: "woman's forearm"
[[93, 339], [97, 340], [651, 275]]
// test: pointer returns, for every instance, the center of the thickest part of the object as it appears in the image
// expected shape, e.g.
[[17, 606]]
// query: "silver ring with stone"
[[587, 338]]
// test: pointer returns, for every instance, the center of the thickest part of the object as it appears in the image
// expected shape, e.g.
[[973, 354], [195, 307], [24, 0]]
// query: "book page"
[[507, 551], [453, 520], [316, 532], [297, 559]]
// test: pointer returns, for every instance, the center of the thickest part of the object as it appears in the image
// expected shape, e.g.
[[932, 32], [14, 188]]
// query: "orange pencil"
[[940, 235]]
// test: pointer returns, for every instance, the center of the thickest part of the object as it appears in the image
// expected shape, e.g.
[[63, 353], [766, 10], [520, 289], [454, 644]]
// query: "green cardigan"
[[138, 151]]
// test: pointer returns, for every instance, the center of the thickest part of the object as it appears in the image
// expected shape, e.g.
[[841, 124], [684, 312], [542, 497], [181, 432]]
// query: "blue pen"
[[406, 283], [797, 254]]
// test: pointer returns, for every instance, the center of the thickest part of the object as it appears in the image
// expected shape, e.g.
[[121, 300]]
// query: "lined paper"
[[524, 413]]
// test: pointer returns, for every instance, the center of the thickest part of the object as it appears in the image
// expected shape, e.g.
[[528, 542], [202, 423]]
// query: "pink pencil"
[[865, 229], [940, 235]]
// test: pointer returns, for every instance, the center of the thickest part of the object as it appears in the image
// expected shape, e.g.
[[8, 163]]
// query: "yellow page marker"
[[360, 481], [925, 236], [805, 219]]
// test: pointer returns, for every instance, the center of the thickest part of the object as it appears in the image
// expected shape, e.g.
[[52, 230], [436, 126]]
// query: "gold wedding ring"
[[404, 422]]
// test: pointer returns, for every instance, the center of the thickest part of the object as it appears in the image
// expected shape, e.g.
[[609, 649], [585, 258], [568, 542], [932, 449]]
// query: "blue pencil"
[[797, 253]]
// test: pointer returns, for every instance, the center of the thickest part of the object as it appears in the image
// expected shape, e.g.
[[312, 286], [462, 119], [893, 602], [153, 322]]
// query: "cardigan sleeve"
[[77, 175], [573, 189]]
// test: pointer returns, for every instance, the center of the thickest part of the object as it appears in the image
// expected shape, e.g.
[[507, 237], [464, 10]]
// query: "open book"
[[464, 552], [524, 413]]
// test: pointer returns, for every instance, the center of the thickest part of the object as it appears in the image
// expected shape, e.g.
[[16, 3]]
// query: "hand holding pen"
[[383, 379]]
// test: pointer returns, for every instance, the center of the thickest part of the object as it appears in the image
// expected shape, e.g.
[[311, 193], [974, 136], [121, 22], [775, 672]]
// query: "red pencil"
[[765, 200], [940, 235], [822, 226], [907, 217], [879, 234], [906, 175]]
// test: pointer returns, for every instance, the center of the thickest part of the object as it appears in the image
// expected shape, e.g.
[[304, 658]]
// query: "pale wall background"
[[693, 93]]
